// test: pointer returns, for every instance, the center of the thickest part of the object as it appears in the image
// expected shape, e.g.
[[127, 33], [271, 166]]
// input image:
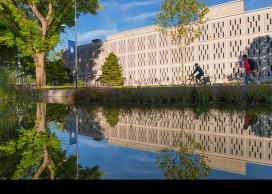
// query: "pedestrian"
[[248, 71]]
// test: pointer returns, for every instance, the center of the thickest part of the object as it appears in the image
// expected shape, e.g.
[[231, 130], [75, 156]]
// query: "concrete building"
[[88, 60], [151, 58]]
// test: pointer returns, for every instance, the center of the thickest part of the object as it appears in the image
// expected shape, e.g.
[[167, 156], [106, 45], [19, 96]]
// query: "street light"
[[76, 62], [76, 43], [76, 84], [76, 73]]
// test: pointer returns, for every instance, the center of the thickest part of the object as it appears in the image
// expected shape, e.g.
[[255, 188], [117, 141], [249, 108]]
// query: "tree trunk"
[[40, 69], [40, 117], [182, 68], [46, 162], [43, 165], [40, 128]]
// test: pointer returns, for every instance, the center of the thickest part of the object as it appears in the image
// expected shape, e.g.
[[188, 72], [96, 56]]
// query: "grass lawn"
[[61, 87]]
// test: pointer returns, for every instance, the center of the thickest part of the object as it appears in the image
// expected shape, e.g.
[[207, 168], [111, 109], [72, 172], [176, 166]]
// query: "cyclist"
[[200, 72]]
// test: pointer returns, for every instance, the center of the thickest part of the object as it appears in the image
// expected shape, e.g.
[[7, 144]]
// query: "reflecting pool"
[[59, 141]]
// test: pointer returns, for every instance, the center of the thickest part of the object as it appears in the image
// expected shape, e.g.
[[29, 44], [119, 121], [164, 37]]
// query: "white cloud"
[[92, 34], [134, 4], [142, 16]]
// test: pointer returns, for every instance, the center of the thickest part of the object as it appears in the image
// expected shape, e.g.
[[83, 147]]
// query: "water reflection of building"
[[222, 135], [87, 123]]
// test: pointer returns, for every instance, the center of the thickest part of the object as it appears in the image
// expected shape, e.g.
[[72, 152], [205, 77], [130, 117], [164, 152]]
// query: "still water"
[[40, 141]]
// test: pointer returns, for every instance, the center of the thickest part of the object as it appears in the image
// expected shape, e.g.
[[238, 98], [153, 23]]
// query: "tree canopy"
[[34, 26], [56, 71], [24, 21], [183, 21], [112, 72]]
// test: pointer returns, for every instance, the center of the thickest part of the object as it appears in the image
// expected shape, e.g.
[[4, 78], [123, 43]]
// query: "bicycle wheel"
[[209, 83], [189, 82], [206, 81], [199, 82]]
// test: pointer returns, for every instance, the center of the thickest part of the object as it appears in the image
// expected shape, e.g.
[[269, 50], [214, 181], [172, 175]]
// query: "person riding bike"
[[200, 72]]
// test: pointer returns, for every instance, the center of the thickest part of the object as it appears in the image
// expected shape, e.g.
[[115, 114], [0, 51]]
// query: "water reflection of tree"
[[37, 154], [111, 115], [56, 112], [14, 116], [181, 163]]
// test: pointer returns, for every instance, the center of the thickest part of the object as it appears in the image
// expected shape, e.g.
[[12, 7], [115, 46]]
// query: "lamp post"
[[75, 34], [76, 80], [76, 70], [77, 148]]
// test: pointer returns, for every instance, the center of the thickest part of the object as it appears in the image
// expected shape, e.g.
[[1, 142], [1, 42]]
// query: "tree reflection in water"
[[182, 163], [111, 115], [37, 154]]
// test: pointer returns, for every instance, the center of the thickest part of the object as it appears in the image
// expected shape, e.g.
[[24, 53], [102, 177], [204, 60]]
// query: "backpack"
[[253, 64]]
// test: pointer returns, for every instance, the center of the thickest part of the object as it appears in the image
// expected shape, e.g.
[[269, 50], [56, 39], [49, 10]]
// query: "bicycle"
[[202, 81]]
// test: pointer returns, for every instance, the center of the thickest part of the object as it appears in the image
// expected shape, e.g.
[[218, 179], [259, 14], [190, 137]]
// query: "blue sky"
[[122, 15]]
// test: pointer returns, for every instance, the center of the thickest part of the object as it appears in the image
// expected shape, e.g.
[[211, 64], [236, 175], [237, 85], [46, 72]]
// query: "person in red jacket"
[[248, 73]]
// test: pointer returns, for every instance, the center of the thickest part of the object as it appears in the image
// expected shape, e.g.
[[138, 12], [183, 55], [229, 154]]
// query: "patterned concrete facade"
[[151, 58], [88, 60]]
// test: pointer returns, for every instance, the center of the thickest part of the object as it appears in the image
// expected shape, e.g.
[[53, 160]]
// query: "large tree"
[[112, 72], [183, 21], [34, 26]]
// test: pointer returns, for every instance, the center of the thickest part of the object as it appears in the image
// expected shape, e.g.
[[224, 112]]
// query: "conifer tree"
[[112, 72]]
